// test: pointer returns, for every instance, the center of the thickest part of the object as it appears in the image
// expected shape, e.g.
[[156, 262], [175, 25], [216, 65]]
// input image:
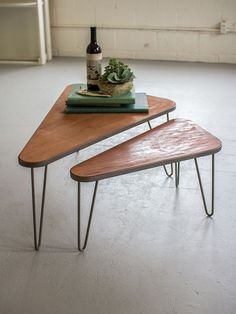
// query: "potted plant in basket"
[[117, 78]]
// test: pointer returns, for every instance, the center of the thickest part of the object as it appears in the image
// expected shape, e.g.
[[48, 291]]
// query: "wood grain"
[[176, 140], [61, 134]]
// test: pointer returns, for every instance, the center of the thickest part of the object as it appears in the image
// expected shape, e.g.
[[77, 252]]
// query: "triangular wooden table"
[[62, 134]]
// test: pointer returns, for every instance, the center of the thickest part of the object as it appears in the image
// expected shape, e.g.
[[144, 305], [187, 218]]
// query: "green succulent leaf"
[[126, 72], [113, 77], [116, 72]]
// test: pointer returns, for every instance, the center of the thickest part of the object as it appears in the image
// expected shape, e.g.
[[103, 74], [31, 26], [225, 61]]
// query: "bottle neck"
[[93, 34]]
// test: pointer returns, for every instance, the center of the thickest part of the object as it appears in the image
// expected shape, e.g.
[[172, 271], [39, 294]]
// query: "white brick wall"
[[151, 29]]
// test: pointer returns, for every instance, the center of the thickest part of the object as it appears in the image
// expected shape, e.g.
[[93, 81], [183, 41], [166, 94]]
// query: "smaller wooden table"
[[172, 142], [62, 134]]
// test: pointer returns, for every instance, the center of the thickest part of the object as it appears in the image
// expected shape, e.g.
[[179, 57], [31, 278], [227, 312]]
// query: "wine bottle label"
[[94, 66], [94, 56]]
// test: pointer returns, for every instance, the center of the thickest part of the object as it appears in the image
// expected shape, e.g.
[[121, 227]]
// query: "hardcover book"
[[75, 99], [140, 105]]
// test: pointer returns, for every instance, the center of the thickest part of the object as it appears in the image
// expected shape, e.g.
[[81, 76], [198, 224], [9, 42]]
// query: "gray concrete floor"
[[151, 250]]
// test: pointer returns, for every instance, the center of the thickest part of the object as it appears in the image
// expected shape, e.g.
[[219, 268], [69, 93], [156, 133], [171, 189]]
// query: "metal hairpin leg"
[[171, 165], [149, 124], [80, 247], [177, 173], [171, 170], [37, 239], [167, 119], [212, 186]]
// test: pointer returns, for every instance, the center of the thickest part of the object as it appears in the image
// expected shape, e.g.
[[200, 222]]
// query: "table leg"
[[177, 172], [209, 214], [169, 174], [81, 248], [37, 238]]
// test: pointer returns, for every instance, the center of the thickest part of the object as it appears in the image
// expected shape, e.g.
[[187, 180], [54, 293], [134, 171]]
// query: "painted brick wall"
[[186, 30]]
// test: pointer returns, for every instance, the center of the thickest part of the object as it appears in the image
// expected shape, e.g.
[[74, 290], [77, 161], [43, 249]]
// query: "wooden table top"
[[61, 134], [173, 141]]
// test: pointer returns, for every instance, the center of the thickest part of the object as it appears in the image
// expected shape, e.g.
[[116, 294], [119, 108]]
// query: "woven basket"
[[115, 89]]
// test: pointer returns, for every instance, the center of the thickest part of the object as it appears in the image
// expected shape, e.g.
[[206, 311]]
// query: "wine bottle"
[[94, 61]]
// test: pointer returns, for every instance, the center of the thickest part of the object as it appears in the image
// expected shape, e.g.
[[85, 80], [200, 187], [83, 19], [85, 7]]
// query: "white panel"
[[18, 34], [146, 55], [209, 13], [82, 40], [119, 54], [218, 44], [106, 39], [178, 42], [166, 13], [199, 13], [147, 14], [229, 10], [85, 12], [208, 58], [65, 42], [227, 58], [135, 40], [120, 12], [64, 11], [73, 11]]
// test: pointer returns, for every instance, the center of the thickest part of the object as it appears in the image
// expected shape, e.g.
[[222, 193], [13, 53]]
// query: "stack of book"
[[130, 102]]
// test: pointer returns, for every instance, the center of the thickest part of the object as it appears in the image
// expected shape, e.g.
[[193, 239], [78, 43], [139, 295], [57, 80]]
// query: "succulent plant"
[[116, 72]]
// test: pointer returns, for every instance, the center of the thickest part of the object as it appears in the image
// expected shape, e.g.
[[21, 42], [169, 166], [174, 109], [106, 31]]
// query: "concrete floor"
[[151, 250]]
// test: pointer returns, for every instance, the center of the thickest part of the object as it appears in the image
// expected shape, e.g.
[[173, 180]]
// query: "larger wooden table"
[[62, 134]]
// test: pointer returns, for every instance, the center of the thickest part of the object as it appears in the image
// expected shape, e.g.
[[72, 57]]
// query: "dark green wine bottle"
[[94, 61]]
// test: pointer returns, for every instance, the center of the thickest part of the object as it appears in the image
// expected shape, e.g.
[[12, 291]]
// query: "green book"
[[140, 105], [75, 99]]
